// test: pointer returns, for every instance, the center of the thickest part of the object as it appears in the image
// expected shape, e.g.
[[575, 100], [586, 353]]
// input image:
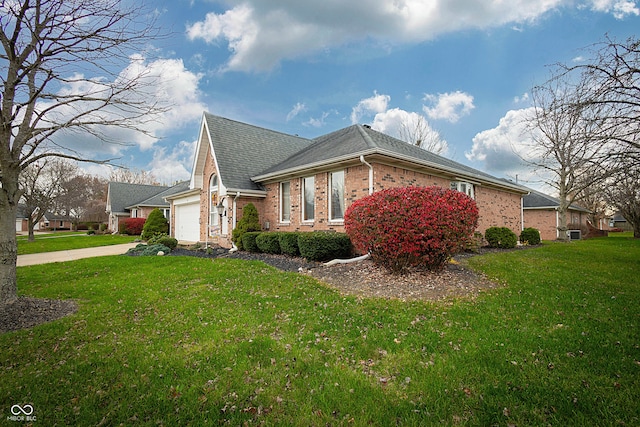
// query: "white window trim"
[[457, 185], [330, 191], [303, 196], [281, 203]]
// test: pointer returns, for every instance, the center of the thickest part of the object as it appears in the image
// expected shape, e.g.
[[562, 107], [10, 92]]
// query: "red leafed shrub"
[[412, 226], [133, 226]]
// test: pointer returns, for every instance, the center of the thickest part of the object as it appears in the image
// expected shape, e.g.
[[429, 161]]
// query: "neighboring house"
[[618, 221], [541, 211], [55, 222], [306, 185], [22, 220], [126, 200]]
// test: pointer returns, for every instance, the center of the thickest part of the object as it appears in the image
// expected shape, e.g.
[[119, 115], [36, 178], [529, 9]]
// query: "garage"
[[187, 222]]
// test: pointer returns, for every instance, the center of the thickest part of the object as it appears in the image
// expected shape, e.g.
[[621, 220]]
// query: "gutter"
[[363, 161]]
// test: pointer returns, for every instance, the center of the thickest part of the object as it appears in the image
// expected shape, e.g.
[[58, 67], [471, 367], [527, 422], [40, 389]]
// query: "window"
[[308, 199], [166, 213], [336, 196], [134, 213], [213, 201], [285, 201], [463, 187]]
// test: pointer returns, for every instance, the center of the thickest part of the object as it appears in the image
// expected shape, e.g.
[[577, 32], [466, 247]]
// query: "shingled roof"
[[360, 140], [121, 195], [538, 200], [243, 150]]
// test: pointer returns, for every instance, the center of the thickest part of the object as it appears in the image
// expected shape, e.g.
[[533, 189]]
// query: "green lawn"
[[65, 241], [185, 341]]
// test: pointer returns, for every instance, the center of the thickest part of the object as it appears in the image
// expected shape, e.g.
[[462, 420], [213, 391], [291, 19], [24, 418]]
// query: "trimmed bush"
[[248, 223], [163, 239], [412, 226], [324, 246], [501, 237], [269, 243], [156, 224], [530, 236], [132, 226], [148, 250], [289, 243], [249, 241]]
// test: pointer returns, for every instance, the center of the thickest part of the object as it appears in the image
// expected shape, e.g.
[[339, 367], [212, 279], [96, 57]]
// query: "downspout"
[[363, 161], [234, 219]]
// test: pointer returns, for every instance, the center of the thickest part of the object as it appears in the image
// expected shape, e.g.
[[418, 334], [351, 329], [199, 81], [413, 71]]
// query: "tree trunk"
[[30, 227], [8, 253]]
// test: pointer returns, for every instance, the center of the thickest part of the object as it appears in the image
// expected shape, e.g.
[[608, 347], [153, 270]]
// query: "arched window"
[[214, 220]]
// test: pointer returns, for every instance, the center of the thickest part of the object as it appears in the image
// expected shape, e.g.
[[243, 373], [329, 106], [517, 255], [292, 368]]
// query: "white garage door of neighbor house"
[[188, 222]]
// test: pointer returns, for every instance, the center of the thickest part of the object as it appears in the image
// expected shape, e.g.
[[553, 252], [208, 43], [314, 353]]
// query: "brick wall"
[[544, 220], [497, 208]]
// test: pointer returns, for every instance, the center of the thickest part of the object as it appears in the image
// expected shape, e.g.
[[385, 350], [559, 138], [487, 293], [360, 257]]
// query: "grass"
[[184, 341], [67, 241]]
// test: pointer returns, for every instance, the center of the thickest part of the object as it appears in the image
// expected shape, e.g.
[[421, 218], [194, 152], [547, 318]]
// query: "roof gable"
[[241, 151]]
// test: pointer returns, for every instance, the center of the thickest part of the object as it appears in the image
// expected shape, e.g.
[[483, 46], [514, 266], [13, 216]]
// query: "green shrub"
[[156, 224], [249, 241], [248, 223], [324, 246], [501, 237], [269, 243], [530, 236], [148, 250], [289, 243], [163, 239]]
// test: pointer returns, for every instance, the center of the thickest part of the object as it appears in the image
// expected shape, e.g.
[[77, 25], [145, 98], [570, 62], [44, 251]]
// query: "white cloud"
[[261, 33], [166, 83], [375, 104], [620, 9], [171, 166], [402, 124], [449, 106], [504, 149], [397, 122], [297, 109], [521, 99]]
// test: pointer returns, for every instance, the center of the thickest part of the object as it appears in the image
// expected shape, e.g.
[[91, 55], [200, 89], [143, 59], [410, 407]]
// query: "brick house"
[[126, 200], [541, 211], [299, 184]]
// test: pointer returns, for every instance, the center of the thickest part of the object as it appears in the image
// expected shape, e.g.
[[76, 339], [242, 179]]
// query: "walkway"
[[73, 254]]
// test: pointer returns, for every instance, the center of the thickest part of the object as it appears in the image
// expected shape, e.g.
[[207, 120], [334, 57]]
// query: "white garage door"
[[188, 222]]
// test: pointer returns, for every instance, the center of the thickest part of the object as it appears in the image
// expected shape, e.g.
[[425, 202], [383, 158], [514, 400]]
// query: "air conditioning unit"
[[574, 234]]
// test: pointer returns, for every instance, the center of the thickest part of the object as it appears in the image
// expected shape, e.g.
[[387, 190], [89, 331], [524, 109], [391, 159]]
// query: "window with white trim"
[[285, 201], [463, 187], [308, 198], [213, 201], [336, 196]]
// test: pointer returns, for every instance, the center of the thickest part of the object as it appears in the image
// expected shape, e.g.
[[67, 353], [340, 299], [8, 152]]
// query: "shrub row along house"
[[298, 184]]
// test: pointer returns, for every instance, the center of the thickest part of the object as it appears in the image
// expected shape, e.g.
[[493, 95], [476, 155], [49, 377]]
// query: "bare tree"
[[416, 131], [623, 192], [42, 183], [566, 142], [133, 176], [613, 78], [83, 198], [59, 78]]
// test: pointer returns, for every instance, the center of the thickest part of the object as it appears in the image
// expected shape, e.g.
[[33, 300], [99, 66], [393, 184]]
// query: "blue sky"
[[464, 67]]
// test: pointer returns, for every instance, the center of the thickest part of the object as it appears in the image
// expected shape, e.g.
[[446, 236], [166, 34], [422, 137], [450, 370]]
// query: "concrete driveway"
[[71, 255]]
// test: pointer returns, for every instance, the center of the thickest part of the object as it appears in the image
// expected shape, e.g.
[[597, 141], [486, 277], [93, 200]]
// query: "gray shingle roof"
[[122, 195], [356, 140], [243, 150], [158, 201], [538, 200]]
